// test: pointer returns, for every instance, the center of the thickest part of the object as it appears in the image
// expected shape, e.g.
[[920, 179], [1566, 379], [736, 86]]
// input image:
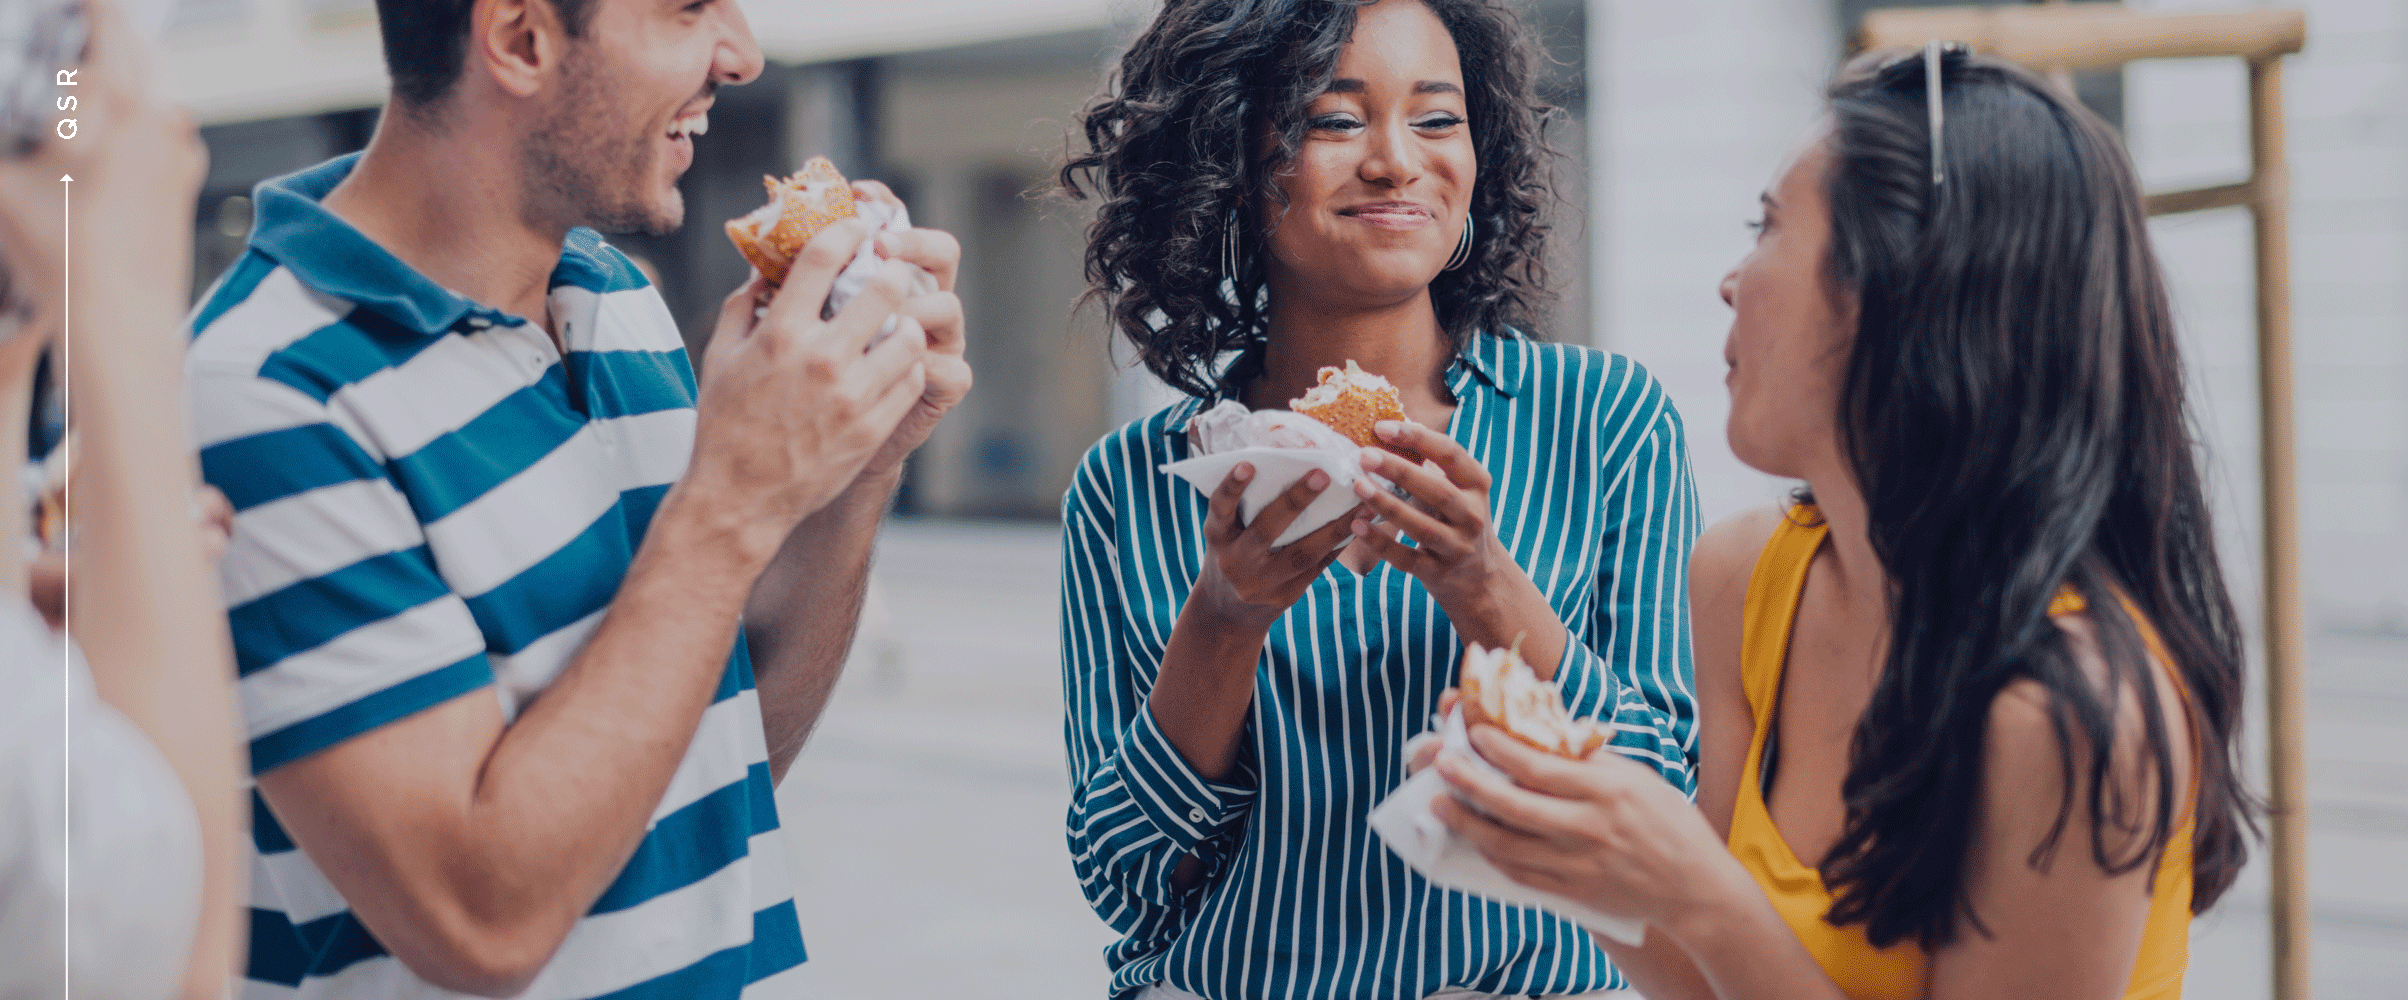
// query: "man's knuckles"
[[892, 284], [822, 367], [932, 249], [833, 247], [935, 310]]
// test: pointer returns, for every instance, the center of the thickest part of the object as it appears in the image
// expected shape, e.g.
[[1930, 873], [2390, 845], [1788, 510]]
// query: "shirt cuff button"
[[1195, 815]]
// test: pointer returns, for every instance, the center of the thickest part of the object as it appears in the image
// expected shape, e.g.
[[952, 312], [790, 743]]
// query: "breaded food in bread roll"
[[799, 207], [1350, 400], [1499, 689]]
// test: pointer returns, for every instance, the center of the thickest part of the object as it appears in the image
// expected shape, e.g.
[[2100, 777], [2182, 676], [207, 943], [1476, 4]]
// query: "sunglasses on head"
[[1931, 55]]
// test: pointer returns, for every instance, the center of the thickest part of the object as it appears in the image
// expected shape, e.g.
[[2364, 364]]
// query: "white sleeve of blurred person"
[[134, 838], [148, 886]]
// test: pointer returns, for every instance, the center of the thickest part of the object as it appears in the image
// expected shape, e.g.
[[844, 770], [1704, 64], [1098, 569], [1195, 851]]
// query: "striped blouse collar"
[[1496, 363]]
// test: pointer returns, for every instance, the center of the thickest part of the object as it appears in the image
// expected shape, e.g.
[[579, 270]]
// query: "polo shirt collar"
[[1489, 360], [328, 254]]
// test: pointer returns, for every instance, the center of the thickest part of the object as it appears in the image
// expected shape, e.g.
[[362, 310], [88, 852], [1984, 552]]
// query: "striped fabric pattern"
[[431, 502], [1594, 499]]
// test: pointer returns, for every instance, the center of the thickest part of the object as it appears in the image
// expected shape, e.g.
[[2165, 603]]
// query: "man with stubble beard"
[[528, 624]]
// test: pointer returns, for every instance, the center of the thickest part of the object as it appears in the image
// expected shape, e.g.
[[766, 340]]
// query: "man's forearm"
[[802, 615], [628, 705], [470, 847]]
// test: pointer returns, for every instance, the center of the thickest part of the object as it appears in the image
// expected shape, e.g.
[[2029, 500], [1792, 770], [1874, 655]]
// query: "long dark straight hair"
[[2013, 411]]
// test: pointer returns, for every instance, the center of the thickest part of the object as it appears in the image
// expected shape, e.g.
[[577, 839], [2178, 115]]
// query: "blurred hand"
[[46, 577], [46, 587], [216, 520], [137, 163], [938, 314], [793, 407]]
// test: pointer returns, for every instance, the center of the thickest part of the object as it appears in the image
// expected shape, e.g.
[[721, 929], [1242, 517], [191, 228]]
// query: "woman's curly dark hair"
[[1169, 141]]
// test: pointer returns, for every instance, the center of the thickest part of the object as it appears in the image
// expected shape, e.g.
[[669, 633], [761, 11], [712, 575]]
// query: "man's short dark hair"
[[426, 42]]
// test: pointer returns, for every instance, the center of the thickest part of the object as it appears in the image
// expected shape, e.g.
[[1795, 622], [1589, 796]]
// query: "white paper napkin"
[[1404, 823], [1276, 469], [883, 218]]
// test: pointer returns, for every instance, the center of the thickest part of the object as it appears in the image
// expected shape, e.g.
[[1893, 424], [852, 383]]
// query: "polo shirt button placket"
[[1195, 815]]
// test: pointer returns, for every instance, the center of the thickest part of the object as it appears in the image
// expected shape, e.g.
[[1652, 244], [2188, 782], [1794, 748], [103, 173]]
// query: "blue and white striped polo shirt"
[[431, 502], [1592, 496]]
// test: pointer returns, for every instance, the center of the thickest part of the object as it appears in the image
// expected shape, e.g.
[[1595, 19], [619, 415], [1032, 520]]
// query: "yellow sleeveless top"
[[1796, 888]]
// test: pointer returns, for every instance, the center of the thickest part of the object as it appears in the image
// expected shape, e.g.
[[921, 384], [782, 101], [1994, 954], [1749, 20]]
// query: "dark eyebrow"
[[1349, 85]]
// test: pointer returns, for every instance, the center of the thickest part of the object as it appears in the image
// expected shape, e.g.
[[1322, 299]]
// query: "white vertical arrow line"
[[67, 599]]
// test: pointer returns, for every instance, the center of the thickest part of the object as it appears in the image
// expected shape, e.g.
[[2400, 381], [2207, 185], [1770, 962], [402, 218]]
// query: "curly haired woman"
[[1286, 185]]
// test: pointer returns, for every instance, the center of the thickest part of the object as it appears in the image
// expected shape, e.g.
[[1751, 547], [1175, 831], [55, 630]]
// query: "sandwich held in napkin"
[[883, 218], [1283, 447], [1404, 822]]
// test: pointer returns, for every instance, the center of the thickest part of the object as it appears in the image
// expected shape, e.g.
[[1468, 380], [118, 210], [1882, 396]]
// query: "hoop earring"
[[1463, 248], [1229, 251]]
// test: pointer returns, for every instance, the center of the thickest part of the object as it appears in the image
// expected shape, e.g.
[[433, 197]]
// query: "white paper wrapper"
[[1404, 823], [857, 272], [1283, 447]]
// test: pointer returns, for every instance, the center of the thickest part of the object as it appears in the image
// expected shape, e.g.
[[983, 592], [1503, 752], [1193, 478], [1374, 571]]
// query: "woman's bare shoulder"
[[1725, 554]]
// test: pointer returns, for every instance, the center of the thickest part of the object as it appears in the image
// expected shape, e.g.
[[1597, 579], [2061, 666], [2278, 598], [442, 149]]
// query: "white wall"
[[2346, 101], [1692, 105]]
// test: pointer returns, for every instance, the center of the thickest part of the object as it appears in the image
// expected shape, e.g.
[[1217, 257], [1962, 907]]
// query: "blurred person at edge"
[[1972, 700], [1235, 711], [530, 623], [128, 848]]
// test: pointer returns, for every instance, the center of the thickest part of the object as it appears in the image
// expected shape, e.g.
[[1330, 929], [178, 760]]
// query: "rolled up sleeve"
[[1137, 808], [1629, 663]]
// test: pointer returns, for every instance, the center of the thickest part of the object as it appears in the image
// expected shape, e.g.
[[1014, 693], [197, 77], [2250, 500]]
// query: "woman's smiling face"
[[1377, 193]]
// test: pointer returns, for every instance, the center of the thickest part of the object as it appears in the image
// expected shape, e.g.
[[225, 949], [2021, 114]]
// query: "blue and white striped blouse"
[[1594, 499]]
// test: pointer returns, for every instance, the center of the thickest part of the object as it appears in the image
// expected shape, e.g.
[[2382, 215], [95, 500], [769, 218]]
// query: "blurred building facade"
[[965, 107], [1682, 111]]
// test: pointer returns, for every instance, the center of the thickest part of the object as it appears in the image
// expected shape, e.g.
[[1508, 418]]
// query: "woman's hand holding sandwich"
[[1206, 687], [1605, 831], [1246, 584], [1455, 553]]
